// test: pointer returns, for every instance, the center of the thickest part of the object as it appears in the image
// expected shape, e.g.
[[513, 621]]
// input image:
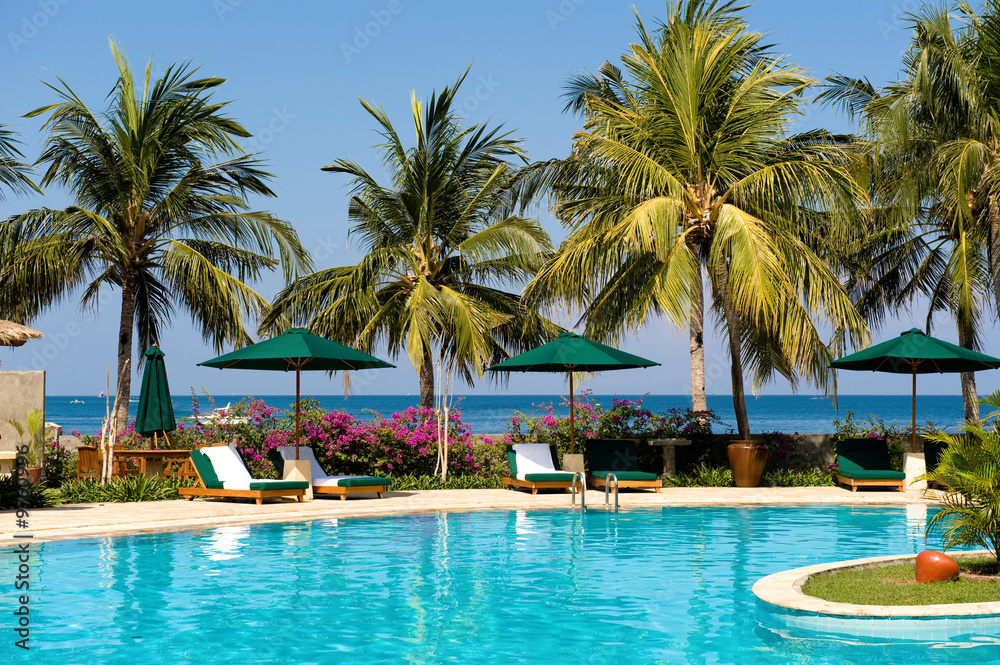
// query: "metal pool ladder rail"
[[583, 491], [607, 488]]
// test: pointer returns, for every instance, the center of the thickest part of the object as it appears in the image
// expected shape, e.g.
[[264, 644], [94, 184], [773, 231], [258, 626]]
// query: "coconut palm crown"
[[441, 242], [932, 142], [685, 170], [155, 216]]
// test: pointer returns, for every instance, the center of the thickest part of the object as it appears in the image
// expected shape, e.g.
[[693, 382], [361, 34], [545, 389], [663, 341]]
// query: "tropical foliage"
[[127, 489], [442, 242], [685, 171], [13, 171], [15, 489], [931, 142], [155, 215], [969, 468]]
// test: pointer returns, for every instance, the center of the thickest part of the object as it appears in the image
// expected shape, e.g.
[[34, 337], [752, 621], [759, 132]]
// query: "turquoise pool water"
[[651, 586]]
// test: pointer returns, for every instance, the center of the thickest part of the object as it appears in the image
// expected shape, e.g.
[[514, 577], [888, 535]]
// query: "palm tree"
[[154, 215], [929, 141], [13, 172], [441, 243], [685, 172]]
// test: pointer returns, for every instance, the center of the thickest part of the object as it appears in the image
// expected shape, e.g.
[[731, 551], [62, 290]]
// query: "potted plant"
[[747, 459], [30, 440]]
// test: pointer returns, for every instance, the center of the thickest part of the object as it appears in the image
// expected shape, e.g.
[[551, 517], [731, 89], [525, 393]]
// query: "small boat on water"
[[76, 401], [220, 416]]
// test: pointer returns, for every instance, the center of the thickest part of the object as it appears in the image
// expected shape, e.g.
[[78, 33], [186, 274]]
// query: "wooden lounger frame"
[[855, 483], [656, 484], [258, 495], [535, 485], [344, 491]]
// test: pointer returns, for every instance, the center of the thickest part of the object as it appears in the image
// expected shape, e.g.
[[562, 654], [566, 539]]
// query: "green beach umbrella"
[[299, 350], [571, 353], [915, 352], [155, 414]]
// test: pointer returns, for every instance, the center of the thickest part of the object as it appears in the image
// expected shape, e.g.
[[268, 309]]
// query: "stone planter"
[[914, 466], [299, 469], [572, 462], [747, 459]]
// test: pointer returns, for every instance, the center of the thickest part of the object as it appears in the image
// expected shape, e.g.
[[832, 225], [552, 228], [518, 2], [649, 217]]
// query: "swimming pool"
[[650, 586]]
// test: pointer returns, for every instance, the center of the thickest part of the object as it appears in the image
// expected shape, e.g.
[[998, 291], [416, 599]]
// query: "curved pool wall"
[[671, 585], [782, 605]]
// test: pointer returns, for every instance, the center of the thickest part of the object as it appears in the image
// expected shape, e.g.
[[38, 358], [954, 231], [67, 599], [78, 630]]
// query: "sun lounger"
[[617, 456], [222, 473], [865, 463], [535, 466], [324, 484]]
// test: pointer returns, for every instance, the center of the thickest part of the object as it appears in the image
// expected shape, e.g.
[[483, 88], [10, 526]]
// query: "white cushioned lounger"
[[342, 485]]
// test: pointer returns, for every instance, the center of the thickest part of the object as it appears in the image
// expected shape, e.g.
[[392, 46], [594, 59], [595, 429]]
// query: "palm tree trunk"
[[735, 361], [696, 329], [970, 401], [427, 380], [125, 329]]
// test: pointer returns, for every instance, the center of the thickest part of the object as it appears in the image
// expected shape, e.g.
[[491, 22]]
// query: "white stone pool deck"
[[113, 519]]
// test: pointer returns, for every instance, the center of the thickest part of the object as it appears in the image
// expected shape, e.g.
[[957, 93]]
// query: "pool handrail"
[[583, 491], [607, 487]]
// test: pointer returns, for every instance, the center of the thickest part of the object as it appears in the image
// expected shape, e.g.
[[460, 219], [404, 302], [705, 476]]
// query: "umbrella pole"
[[913, 441], [571, 422], [298, 377]]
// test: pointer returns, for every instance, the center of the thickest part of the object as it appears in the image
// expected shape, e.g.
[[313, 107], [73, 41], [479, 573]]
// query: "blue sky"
[[295, 71]]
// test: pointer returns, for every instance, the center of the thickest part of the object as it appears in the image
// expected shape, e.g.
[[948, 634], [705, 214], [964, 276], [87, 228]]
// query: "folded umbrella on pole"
[[155, 413]]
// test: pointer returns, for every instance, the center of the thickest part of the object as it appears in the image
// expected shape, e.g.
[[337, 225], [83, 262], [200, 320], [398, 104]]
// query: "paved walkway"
[[109, 519]]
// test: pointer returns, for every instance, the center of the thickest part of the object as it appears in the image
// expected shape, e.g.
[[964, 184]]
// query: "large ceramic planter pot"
[[34, 474], [747, 459]]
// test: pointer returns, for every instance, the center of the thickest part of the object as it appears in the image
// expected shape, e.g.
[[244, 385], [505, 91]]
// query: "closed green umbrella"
[[156, 411], [915, 352], [571, 353], [300, 350]]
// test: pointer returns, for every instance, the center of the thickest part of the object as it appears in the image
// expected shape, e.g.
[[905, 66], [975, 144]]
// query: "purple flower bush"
[[787, 451], [405, 443]]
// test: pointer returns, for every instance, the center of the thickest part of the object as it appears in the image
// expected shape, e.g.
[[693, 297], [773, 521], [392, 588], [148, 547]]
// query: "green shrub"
[[123, 490], [701, 476], [805, 478], [465, 482], [81, 491], [58, 464], [39, 496]]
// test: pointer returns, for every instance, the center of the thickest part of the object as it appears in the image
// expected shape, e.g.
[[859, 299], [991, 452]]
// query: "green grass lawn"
[[896, 585]]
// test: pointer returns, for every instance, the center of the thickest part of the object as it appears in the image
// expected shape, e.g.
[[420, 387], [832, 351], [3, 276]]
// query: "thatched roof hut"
[[14, 334]]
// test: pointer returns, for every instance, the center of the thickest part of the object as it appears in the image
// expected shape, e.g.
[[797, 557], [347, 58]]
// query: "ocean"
[[489, 414]]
